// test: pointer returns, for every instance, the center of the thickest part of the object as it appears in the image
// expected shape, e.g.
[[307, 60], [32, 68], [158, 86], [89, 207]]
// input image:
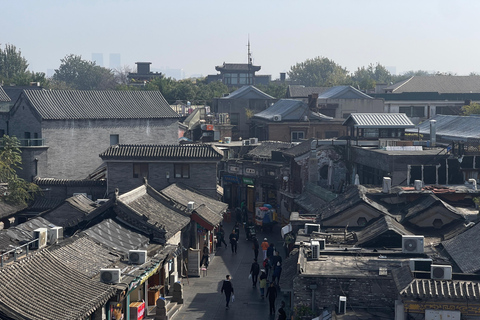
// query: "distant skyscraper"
[[98, 59], [115, 61]]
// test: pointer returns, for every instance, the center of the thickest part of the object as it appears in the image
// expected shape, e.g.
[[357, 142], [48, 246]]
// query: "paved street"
[[202, 295]]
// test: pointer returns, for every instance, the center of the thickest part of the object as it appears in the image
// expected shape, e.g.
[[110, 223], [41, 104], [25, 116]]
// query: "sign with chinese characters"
[[232, 179], [233, 169], [248, 181], [250, 170], [465, 309]]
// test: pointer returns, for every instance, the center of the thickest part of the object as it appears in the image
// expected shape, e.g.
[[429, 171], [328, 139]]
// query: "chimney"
[[418, 185], [387, 184], [313, 101], [433, 133], [191, 206]]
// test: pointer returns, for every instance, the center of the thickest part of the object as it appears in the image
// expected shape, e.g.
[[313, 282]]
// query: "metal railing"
[[32, 142], [16, 253]]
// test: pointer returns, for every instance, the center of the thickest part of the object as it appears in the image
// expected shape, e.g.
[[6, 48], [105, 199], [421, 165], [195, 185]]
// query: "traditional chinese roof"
[[264, 150], [248, 92], [245, 67], [3, 96], [162, 152], [289, 271], [343, 92], [384, 225], [42, 287], [68, 182], [440, 84], [424, 203], [77, 104], [290, 110], [463, 249], [300, 91]]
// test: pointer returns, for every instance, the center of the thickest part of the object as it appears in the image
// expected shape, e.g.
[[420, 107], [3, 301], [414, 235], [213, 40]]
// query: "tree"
[[19, 190], [369, 77], [319, 72], [472, 108], [276, 90], [13, 68], [81, 74]]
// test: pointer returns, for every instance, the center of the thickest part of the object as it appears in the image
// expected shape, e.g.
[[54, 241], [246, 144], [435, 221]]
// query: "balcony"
[[32, 142]]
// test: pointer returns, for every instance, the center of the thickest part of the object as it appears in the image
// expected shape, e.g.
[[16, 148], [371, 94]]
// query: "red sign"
[[137, 310], [141, 311]]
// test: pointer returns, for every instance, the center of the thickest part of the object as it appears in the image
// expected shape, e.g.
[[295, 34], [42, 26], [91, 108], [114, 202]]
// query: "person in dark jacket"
[[221, 237], [254, 271], [255, 247], [270, 250], [233, 241], [277, 271], [281, 312], [237, 231], [272, 295], [228, 289], [205, 256]]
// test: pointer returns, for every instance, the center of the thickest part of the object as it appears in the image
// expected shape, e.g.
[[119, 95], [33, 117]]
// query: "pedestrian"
[[254, 271], [277, 271], [281, 312], [264, 246], [255, 247], [233, 241], [276, 258], [228, 289], [205, 256], [263, 283], [266, 266], [272, 295], [270, 250], [221, 237], [237, 231]]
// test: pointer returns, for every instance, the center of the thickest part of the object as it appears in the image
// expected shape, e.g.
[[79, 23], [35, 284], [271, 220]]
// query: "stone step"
[[173, 311]]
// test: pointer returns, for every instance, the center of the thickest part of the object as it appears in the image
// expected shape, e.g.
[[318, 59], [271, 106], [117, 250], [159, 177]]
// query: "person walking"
[[255, 247], [270, 251], [264, 246], [205, 252], [233, 241], [254, 271], [277, 271], [272, 295], [263, 283], [227, 287], [281, 312], [221, 237], [237, 231]]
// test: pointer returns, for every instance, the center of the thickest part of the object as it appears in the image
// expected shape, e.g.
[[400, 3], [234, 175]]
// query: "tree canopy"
[[13, 68], [319, 72], [19, 190], [472, 108], [76, 73], [369, 77]]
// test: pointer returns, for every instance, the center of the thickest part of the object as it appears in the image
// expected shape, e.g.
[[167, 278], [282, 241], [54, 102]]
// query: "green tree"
[[81, 74], [319, 72], [367, 78], [13, 68], [472, 108], [276, 90], [19, 190]]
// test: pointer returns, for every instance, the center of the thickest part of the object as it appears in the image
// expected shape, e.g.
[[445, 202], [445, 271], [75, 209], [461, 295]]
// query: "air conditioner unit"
[[441, 272], [191, 205], [110, 275], [253, 140], [277, 117], [412, 244], [41, 235], [310, 227], [228, 139], [342, 305], [420, 264], [137, 256], [54, 234], [245, 142], [315, 250]]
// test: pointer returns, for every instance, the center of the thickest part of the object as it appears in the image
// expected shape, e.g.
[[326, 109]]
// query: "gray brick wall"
[[203, 176], [371, 292]]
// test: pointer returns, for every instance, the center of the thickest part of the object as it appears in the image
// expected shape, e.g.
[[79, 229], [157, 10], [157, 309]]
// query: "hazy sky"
[[197, 35]]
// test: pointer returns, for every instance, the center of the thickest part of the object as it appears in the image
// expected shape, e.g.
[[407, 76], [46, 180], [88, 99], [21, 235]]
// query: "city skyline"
[[434, 36]]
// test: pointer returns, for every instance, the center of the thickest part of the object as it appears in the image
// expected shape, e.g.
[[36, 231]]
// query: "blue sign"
[[232, 179]]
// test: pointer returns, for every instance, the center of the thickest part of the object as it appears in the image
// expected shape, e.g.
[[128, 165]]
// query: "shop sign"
[[233, 169], [231, 179], [248, 181]]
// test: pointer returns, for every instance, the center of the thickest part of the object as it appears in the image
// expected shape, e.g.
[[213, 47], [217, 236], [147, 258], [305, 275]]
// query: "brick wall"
[[371, 292]]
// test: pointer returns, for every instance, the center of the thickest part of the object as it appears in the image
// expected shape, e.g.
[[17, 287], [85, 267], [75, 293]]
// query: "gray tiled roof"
[[42, 287], [378, 120], [452, 127], [7, 209], [290, 110], [156, 209], [376, 229], [186, 151], [182, 194], [343, 92], [69, 104], [68, 182], [299, 149], [84, 255], [442, 290], [289, 271], [354, 195], [237, 66], [463, 249], [440, 84], [299, 91], [248, 92], [3, 96], [424, 203]]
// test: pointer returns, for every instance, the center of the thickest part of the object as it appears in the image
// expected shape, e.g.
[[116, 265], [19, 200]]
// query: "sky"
[[197, 35]]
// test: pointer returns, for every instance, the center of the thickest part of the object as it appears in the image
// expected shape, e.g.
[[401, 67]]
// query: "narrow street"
[[202, 296]]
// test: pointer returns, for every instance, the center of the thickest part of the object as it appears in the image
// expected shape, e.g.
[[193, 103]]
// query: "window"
[[2, 133], [234, 119], [114, 139], [182, 171], [412, 111], [298, 135], [140, 170]]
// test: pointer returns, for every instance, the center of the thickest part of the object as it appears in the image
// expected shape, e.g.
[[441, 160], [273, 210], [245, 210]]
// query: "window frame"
[[139, 169], [181, 171]]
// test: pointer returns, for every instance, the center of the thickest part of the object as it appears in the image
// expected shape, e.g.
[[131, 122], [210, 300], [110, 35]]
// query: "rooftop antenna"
[[249, 76]]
